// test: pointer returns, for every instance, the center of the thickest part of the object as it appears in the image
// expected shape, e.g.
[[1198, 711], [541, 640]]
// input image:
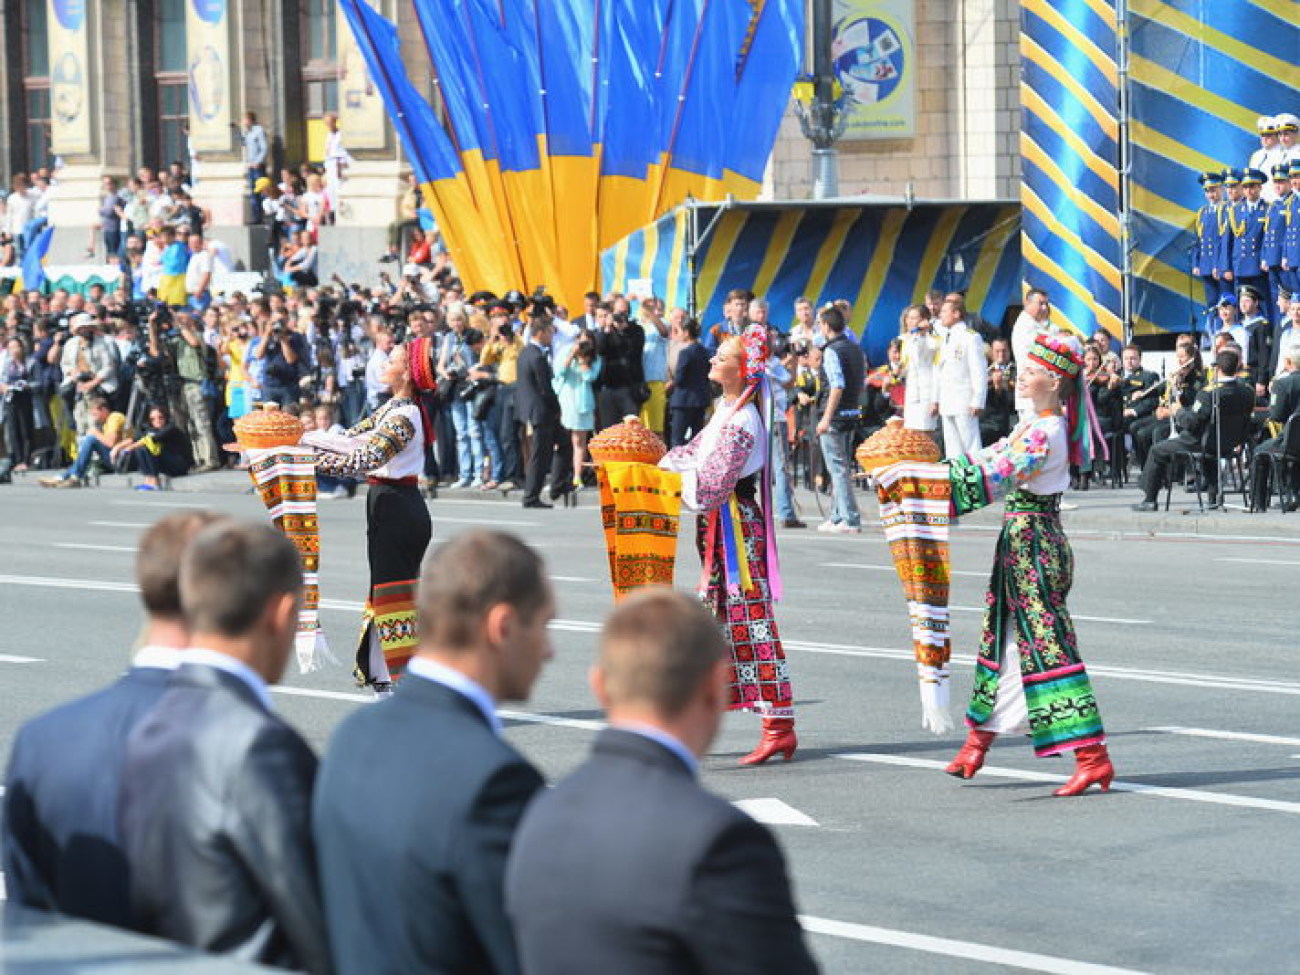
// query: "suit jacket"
[[415, 812], [62, 846], [691, 380], [1195, 425], [535, 399], [1285, 401], [215, 813], [629, 866]]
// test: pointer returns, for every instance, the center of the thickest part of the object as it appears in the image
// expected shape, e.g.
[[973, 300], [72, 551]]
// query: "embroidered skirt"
[[760, 679], [1032, 573], [398, 530]]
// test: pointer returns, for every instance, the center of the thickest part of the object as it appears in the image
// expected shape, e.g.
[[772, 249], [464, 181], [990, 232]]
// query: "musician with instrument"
[[1176, 391], [886, 388], [1231, 398]]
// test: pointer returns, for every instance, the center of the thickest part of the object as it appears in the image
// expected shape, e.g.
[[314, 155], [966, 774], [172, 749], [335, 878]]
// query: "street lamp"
[[821, 106]]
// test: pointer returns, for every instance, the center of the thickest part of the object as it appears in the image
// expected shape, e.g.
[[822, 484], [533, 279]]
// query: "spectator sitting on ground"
[[106, 429], [163, 449]]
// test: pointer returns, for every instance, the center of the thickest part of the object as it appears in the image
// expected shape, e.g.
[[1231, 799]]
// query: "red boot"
[[778, 736], [971, 757], [1092, 765]]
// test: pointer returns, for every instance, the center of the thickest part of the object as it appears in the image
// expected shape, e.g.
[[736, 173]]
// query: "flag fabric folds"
[[1069, 146], [570, 123]]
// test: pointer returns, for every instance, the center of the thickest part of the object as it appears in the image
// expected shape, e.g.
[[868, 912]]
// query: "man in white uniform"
[[1032, 320], [961, 381], [920, 346]]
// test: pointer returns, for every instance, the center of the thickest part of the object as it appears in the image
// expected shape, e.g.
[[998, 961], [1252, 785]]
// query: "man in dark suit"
[[216, 790], [1231, 399], [419, 797], [628, 865], [689, 392], [62, 847], [620, 388], [539, 407]]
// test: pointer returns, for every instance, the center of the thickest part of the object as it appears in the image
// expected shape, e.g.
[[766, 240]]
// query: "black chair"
[[1228, 442], [1278, 465]]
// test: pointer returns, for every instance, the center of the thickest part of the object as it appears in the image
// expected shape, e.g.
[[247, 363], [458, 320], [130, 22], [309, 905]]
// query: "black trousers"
[[545, 436], [614, 403], [1155, 472], [684, 422]]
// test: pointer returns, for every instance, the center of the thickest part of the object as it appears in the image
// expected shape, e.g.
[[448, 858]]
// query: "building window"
[[39, 133], [173, 118], [36, 83], [320, 71], [172, 83]]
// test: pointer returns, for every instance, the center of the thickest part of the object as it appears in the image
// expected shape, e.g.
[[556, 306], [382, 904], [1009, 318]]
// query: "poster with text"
[[362, 117], [873, 54], [70, 77], [207, 59]]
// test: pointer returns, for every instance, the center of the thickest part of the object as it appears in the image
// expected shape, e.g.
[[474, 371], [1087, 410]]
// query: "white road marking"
[[571, 579], [774, 812], [1259, 561], [91, 585], [485, 521], [966, 950], [890, 568], [158, 504], [1198, 680], [1227, 735], [1073, 615], [6, 658], [95, 548], [1164, 792], [120, 524]]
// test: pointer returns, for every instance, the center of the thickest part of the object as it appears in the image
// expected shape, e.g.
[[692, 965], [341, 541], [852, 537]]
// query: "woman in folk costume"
[[725, 479], [388, 450], [1029, 677]]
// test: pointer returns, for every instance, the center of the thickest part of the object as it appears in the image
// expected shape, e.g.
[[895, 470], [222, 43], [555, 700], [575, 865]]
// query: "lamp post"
[[820, 105]]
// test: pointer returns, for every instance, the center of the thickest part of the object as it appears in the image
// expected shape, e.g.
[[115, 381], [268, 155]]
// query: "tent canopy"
[[880, 253]]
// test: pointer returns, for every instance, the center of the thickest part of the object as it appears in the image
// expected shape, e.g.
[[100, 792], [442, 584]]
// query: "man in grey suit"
[[628, 865], [216, 790], [62, 848], [419, 796]]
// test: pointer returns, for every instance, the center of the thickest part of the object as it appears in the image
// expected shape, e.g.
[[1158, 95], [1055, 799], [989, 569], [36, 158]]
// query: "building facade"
[[107, 86]]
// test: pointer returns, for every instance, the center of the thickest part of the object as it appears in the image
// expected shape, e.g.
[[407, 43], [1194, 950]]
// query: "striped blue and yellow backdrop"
[[880, 257], [1201, 73], [1069, 145]]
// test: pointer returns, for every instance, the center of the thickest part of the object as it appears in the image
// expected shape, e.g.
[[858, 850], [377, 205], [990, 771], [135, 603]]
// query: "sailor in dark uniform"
[[1246, 235], [1205, 252]]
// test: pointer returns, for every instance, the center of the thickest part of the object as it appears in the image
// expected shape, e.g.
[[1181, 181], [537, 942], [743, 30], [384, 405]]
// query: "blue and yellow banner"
[[571, 123], [1069, 145], [1201, 73], [880, 257]]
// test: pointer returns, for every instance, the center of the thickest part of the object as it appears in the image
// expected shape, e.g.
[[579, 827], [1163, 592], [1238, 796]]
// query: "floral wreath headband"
[[754, 342], [1056, 356], [420, 359]]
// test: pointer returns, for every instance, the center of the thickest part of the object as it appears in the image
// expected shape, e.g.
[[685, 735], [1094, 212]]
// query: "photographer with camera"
[[17, 380], [181, 345], [455, 360], [501, 355], [622, 390], [90, 367], [284, 356]]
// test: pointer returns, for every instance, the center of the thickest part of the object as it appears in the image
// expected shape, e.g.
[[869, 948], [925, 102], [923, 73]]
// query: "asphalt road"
[[1187, 625]]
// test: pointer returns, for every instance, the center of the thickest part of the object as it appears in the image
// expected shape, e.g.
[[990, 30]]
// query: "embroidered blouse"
[[730, 446], [1035, 457], [388, 443]]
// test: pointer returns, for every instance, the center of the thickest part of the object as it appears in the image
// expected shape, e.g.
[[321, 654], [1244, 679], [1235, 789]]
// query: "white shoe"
[[844, 528], [828, 526], [338, 492]]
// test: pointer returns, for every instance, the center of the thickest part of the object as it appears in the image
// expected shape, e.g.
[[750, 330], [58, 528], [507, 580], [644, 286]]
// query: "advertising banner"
[[873, 51], [70, 73], [207, 56], [362, 116]]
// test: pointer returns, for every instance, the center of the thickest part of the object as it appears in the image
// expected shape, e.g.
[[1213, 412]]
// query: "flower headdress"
[[1060, 358]]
